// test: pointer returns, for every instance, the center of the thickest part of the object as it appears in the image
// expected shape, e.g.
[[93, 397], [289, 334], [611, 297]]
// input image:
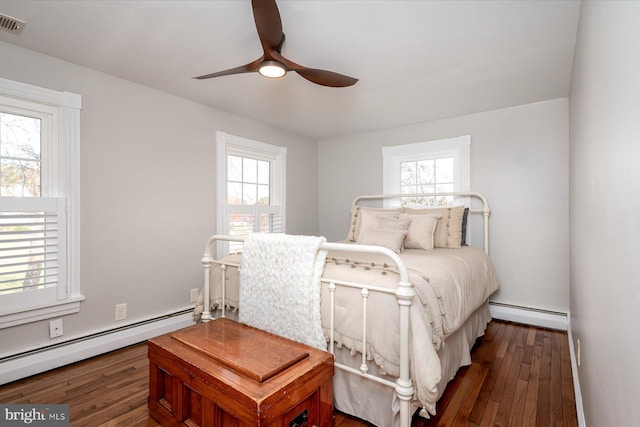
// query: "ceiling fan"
[[272, 63]]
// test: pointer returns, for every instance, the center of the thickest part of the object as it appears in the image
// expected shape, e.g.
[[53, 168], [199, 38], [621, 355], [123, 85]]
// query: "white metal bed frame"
[[404, 292]]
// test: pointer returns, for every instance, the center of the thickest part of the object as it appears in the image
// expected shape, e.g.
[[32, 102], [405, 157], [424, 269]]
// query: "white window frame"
[[61, 181], [227, 144], [458, 147]]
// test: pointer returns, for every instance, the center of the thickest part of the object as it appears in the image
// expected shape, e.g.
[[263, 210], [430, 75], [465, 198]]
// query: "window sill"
[[41, 312]]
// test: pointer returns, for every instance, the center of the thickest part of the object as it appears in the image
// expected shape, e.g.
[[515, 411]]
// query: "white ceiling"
[[416, 60]]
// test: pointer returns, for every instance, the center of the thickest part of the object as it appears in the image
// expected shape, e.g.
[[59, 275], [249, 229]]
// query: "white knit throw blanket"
[[280, 286]]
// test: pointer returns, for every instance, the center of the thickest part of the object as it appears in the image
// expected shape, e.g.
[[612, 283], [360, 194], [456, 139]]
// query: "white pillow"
[[386, 229], [392, 239], [369, 220], [356, 218], [395, 222], [448, 232], [420, 232]]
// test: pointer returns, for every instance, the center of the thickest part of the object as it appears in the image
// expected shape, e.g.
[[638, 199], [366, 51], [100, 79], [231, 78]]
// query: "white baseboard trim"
[[64, 354], [576, 382], [529, 316]]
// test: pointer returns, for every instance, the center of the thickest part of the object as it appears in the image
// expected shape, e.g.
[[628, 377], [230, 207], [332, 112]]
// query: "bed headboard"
[[485, 210]]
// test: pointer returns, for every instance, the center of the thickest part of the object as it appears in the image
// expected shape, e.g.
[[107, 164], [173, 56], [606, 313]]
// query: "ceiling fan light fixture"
[[272, 69]]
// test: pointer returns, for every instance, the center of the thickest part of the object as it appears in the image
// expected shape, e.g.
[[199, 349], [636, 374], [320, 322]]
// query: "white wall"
[[519, 160], [148, 192], [605, 206]]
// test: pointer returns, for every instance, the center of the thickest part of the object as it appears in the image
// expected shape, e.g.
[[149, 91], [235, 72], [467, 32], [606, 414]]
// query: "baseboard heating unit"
[[529, 316], [39, 360]]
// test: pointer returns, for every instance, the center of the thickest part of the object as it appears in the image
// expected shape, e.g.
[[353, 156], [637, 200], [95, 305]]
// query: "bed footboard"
[[404, 293]]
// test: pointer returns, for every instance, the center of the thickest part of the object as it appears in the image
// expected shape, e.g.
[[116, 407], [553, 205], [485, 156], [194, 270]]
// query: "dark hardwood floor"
[[519, 376]]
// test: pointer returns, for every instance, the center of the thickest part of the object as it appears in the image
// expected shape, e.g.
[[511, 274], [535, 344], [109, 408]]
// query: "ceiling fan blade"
[[268, 24], [321, 77], [247, 68], [326, 78]]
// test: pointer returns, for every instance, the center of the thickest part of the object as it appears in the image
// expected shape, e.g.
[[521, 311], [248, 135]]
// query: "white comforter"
[[450, 285]]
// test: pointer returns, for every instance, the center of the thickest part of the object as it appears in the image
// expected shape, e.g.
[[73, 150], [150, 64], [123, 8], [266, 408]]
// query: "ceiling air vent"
[[10, 24]]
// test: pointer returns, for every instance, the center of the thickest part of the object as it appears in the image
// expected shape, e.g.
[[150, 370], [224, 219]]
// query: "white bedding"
[[280, 278], [378, 404], [450, 285]]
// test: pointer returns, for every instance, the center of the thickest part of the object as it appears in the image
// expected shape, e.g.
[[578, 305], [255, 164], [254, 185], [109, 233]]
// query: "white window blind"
[[32, 249], [245, 220]]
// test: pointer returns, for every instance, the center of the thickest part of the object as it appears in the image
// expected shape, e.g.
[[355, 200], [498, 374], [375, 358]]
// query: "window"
[[20, 151], [39, 203], [251, 187], [427, 167]]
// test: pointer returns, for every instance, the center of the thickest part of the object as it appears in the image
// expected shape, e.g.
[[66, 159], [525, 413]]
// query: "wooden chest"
[[223, 373]]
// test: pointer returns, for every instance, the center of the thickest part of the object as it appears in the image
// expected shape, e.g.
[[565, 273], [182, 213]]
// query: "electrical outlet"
[[55, 328], [121, 311], [194, 294]]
